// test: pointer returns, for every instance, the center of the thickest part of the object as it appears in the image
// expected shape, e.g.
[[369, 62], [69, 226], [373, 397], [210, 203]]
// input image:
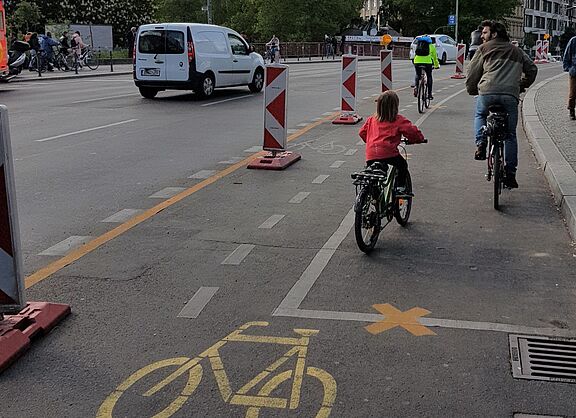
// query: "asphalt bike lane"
[[252, 235]]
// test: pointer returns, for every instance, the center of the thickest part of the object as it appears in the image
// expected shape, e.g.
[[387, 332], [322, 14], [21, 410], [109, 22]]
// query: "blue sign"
[[451, 20]]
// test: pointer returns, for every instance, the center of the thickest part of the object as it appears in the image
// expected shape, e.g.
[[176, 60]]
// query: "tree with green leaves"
[[415, 17], [27, 16]]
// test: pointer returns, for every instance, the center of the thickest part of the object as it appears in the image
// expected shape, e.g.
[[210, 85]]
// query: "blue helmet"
[[425, 38]]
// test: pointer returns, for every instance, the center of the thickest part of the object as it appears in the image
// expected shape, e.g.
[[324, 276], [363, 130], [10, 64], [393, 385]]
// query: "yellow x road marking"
[[394, 318]]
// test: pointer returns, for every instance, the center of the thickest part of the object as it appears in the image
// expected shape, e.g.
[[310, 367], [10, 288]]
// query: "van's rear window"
[[161, 42]]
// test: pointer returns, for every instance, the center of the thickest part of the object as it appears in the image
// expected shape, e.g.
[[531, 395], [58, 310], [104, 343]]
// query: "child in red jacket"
[[383, 132]]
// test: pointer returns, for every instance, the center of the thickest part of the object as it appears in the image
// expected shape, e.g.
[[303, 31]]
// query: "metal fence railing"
[[318, 50]]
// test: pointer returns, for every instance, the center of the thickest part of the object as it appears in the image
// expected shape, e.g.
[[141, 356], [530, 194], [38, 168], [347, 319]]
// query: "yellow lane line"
[[90, 246]]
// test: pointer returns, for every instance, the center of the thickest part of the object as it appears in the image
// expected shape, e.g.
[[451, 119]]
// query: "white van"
[[194, 56]]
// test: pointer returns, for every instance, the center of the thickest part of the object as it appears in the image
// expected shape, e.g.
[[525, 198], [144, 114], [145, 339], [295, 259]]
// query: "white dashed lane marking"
[[167, 192], [320, 179], [232, 160], [202, 174], [299, 197], [63, 247], [271, 221], [198, 302], [123, 215], [253, 149], [351, 151], [337, 164], [239, 254]]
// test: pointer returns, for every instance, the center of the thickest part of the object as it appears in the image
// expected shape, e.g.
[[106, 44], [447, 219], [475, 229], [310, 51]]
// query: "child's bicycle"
[[378, 199], [184, 374]]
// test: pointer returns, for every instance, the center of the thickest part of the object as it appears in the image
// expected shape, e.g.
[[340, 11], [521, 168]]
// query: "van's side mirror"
[[251, 48]]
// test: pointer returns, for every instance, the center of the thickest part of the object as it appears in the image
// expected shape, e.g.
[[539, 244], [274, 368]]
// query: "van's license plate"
[[151, 71]]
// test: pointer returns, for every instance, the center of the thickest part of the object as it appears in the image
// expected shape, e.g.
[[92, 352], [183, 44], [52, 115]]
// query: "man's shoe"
[[430, 97], [415, 92], [510, 180], [480, 153], [572, 114]]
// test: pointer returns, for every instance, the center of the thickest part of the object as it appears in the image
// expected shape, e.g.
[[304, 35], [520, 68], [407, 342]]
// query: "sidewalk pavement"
[[553, 138], [123, 69]]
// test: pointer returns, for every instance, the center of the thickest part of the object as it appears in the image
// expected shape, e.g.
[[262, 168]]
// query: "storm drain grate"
[[543, 358]]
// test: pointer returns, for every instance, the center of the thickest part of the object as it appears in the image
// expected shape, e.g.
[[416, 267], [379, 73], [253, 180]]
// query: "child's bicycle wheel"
[[403, 203], [366, 221]]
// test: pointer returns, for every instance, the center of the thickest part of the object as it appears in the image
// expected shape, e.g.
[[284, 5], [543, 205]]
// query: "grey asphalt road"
[[272, 254], [87, 149]]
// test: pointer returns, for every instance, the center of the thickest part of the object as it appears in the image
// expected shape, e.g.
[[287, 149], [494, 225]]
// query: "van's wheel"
[[443, 60], [206, 86], [257, 81], [148, 92]]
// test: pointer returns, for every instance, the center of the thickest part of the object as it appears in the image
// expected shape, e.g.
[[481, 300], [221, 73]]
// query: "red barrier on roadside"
[[538, 58], [275, 131], [386, 70], [460, 62], [18, 331], [348, 115], [545, 46]]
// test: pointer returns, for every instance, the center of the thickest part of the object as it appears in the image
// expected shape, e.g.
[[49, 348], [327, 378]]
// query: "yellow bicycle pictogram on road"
[[262, 399]]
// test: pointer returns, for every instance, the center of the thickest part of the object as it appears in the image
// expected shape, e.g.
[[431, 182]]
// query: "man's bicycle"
[[422, 92], [187, 374], [379, 200], [495, 131]]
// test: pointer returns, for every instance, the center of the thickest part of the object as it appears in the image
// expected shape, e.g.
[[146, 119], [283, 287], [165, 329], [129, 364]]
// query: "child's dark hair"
[[387, 106]]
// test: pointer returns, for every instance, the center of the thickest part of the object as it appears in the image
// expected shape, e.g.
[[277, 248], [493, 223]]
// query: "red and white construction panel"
[[386, 69], [348, 114], [11, 274], [23, 321], [545, 47], [275, 130], [538, 58], [460, 62]]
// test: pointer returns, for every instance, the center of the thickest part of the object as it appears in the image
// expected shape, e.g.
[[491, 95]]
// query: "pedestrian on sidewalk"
[[569, 65], [130, 37], [383, 131], [497, 74]]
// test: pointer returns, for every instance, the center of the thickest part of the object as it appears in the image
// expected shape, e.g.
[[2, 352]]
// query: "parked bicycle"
[[378, 199], [495, 131], [87, 58], [422, 90]]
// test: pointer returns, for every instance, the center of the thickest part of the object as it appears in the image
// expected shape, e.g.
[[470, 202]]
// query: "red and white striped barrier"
[[348, 115], [538, 58], [23, 322], [460, 62], [275, 131], [386, 69], [545, 46]]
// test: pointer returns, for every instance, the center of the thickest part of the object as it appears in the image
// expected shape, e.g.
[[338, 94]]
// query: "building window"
[[528, 22], [537, 5], [557, 8]]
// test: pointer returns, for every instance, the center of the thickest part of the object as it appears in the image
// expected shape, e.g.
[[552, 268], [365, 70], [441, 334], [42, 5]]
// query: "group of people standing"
[[42, 47]]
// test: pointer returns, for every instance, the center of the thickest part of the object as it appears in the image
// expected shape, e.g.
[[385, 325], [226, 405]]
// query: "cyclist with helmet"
[[425, 57]]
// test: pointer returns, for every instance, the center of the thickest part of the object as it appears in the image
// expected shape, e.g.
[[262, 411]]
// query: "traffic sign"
[[451, 20]]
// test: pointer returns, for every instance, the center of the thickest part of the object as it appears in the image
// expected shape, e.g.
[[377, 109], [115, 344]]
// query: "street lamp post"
[[456, 28]]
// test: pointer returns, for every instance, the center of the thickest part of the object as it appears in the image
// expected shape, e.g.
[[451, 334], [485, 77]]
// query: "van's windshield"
[[161, 42]]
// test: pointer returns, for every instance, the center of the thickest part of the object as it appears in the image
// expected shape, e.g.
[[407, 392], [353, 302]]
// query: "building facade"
[[545, 16], [515, 24], [370, 9]]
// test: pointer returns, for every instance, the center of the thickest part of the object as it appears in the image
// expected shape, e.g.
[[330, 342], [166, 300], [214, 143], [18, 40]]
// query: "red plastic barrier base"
[[347, 120], [18, 331], [275, 162], [458, 76]]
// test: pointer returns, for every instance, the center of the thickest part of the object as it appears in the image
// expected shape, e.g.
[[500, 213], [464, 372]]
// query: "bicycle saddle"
[[377, 166]]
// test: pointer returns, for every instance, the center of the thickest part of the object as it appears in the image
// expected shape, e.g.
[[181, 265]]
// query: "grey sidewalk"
[[553, 139]]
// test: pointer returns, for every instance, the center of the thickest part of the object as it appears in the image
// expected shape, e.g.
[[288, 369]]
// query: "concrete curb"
[[558, 172], [67, 77]]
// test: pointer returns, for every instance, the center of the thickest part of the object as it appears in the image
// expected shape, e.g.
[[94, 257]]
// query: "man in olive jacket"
[[497, 74]]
